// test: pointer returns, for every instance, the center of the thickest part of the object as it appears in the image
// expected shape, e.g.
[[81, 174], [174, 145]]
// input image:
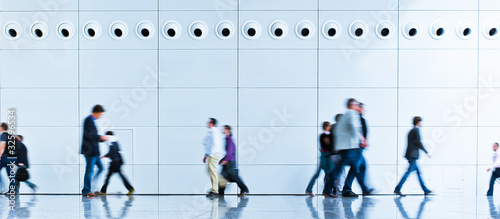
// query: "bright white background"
[[159, 92]]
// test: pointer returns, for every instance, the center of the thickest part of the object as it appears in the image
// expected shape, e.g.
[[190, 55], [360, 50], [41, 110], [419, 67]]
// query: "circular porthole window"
[[92, 30], [144, 30], [65, 30], [331, 29], [304, 29], [171, 30], [251, 29], [13, 30], [384, 30], [39, 30], [438, 30], [224, 30], [490, 30], [464, 30], [358, 30], [198, 30], [278, 30], [118, 30], [411, 30]]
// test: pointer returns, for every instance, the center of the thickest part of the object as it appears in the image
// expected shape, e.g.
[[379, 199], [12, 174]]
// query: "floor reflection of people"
[[364, 210], [19, 210], [494, 211], [126, 205], [222, 210], [401, 208], [310, 205], [87, 206]]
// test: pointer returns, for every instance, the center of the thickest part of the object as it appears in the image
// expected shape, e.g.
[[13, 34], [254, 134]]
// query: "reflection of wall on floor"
[[272, 70]]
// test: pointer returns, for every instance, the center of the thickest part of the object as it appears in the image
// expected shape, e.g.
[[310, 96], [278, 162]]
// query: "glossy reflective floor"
[[146, 206]]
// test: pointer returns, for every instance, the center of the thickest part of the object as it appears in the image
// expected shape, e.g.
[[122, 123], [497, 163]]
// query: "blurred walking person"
[[22, 165], [348, 142], [213, 154], [229, 171], [90, 148], [412, 154], [116, 163], [360, 175], [495, 169], [6, 140], [325, 163]]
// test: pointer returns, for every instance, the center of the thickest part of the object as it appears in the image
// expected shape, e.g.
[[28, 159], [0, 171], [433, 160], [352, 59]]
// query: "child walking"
[[116, 163]]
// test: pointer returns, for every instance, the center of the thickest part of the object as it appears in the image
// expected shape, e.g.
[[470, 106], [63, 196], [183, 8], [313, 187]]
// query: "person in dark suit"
[[412, 154], [90, 148], [22, 162]]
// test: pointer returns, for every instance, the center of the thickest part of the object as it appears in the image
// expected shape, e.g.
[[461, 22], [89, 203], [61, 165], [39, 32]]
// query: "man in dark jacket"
[[22, 162], [90, 148], [412, 154]]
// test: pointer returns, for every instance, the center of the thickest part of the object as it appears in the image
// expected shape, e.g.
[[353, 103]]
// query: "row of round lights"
[[251, 30]]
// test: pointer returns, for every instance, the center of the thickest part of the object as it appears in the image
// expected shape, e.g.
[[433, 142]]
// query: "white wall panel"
[[50, 37], [118, 5], [198, 68], [488, 107], [452, 107], [358, 5], [266, 145], [199, 182], [258, 178], [55, 179], [442, 68], [183, 145], [278, 68], [358, 68], [278, 5], [345, 38], [41, 6], [489, 72], [145, 145], [489, 5], [42, 107], [183, 39], [290, 40], [450, 38], [124, 107], [118, 68], [487, 136], [438, 5], [39, 68], [193, 107], [145, 179], [383, 145], [277, 107], [198, 5], [129, 40], [447, 145], [381, 104], [63, 150]]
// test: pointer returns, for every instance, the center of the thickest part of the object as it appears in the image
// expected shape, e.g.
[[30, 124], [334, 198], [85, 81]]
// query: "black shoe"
[[369, 192], [212, 194], [221, 191], [329, 195], [349, 194], [428, 192], [399, 193]]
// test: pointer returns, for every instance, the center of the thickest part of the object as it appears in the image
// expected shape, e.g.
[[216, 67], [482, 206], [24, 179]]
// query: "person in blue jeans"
[[412, 154], [7, 140], [90, 148]]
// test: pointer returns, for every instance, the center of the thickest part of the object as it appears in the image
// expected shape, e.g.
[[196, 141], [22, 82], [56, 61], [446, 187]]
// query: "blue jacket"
[[91, 138]]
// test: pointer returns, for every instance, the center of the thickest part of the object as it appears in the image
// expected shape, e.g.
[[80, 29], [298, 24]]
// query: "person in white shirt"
[[495, 168], [213, 153]]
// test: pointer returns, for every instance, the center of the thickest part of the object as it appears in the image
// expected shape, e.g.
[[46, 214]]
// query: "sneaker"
[[242, 194], [329, 195], [349, 194], [34, 188], [428, 192], [310, 194], [90, 194], [369, 192], [130, 191], [397, 192], [212, 194]]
